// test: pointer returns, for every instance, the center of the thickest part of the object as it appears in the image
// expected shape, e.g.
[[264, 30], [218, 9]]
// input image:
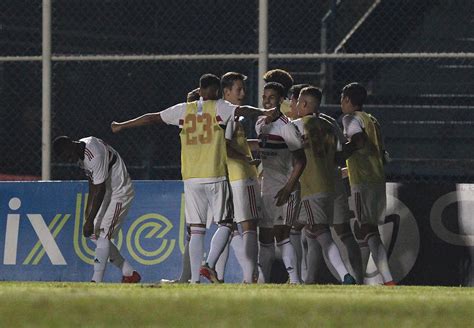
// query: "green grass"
[[232, 305]]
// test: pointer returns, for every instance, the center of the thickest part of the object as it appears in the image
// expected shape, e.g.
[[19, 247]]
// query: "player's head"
[[293, 95], [280, 76], [353, 97], [193, 95], [66, 149], [309, 101], [273, 95], [209, 85], [233, 87]]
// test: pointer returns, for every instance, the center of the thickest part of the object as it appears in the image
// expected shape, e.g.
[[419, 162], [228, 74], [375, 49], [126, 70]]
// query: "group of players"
[[299, 194]]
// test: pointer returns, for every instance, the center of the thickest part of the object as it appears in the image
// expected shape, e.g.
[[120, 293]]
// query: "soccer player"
[[243, 181], [286, 80], [341, 217], [318, 181], [110, 197], [282, 167], [185, 275], [364, 153], [203, 164]]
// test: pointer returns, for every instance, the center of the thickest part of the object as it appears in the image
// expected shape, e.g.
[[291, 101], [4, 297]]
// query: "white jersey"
[[276, 140], [102, 164]]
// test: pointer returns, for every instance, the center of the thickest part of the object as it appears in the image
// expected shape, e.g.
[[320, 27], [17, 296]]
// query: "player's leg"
[[371, 209], [221, 206], [196, 209], [247, 209], [185, 262], [266, 250], [222, 260], [282, 236], [266, 253], [129, 274], [348, 247], [319, 210]]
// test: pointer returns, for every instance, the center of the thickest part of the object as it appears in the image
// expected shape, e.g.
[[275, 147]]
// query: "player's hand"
[[88, 229], [254, 161], [282, 196], [115, 127]]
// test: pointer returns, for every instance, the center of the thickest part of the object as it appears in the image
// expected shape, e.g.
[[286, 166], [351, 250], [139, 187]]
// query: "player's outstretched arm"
[[147, 119], [252, 112], [299, 163]]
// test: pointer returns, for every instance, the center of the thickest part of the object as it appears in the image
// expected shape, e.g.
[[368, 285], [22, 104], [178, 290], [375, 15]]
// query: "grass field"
[[232, 305]]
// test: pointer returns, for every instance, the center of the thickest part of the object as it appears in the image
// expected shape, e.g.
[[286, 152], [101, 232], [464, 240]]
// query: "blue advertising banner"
[[41, 232], [428, 231]]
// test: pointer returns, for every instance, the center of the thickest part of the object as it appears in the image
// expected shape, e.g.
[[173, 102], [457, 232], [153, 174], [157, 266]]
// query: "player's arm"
[[299, 163], [357, 141], [94, 201], [253, 112], [147, 119], [237, 155], [253, 144]]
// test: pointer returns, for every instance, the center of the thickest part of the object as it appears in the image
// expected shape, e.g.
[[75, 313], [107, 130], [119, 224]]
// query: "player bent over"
[[365, 153], [110, 197]]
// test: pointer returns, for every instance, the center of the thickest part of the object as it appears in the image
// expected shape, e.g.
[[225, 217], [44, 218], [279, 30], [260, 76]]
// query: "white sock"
[[101, 256], [117, 259], [222, 262], [266, 255], [185, 263], [331, 253], [379, 254], [237, 244], [304, 255], [314, 258], [218, 243], [295, 237], [250, 247], [288, 256], [364, 255], [352, 250], [196, 251]]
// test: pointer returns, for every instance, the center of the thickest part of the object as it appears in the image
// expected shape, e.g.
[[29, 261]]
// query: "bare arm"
[[147, 119], [356, 142], [253, 144], [299, 163], [253, 112], [94, 201]]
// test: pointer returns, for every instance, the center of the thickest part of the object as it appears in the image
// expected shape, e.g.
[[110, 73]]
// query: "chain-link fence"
[[415, 57]]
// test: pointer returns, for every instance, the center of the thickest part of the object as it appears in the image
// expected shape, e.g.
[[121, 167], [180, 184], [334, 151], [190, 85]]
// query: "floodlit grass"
[[232, 305]]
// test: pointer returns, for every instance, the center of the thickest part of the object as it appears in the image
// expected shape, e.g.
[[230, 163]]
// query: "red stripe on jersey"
[[284, 119], [219, 119], [274, 137], [89, 154]]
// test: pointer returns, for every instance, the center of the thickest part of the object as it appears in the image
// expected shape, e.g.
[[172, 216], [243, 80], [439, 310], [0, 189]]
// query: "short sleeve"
[[352, 125], [173, 114], [292, 137], [229, 129], [225, 110]]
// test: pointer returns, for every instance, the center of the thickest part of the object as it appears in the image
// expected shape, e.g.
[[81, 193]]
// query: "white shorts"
[[246, 199], [279, 215], [342, 213], [207, 202], [111, 215], [369, 202], [317, 209]]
